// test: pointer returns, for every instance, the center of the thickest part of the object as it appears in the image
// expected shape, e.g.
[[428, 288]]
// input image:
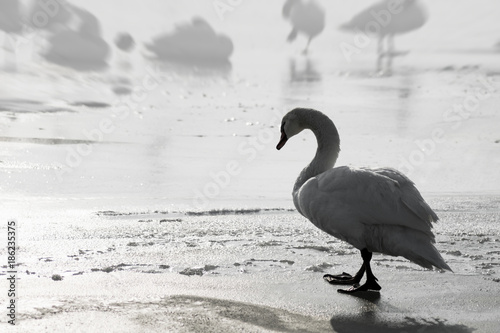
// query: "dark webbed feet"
[[368, 286], [344, 278]]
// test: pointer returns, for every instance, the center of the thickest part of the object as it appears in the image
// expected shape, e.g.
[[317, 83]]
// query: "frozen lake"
[[115, 174]]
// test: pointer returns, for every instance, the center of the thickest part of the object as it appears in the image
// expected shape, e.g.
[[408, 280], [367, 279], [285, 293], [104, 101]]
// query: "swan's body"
[[307, 18], [409, 15], [375, 210], [81, 49], [195, 42]]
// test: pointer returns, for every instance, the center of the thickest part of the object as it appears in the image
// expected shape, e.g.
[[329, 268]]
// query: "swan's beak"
[[282, 141]]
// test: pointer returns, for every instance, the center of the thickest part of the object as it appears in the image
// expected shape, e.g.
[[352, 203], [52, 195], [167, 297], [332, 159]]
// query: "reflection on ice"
[[123, 64], [303, 71], [368, 321], [406, 101], [306, 17], [303, 81], [196, 69], [125, 44]]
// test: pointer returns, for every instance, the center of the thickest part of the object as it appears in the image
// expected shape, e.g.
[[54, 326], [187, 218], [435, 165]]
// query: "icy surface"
[[155, 192]]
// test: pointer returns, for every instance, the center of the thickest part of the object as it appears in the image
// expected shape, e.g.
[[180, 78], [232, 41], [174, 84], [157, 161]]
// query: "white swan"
[[375, 210], [388, 18]]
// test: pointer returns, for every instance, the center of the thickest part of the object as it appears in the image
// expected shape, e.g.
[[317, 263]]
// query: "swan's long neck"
[[328, 146]]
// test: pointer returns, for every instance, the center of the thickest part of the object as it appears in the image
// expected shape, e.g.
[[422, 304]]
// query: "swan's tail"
[[428, 258], [414, 245]]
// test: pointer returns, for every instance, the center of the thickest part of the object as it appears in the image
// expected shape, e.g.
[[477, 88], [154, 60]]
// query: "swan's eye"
[[283, 127]]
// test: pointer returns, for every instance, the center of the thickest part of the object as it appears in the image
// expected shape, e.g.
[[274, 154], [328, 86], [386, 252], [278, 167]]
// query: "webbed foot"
[[344, 278], [368, 286]]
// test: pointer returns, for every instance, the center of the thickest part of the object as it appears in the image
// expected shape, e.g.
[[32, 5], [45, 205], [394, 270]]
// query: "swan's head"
[[301, 118], [290, 125]]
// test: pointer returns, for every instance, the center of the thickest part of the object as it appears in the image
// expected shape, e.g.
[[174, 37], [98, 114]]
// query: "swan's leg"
[[371, 280], [293, 34], [380, 52], [346, 278], [307, 46], [390, 52]]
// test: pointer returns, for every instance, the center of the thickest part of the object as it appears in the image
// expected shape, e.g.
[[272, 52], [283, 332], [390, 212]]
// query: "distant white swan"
[[82, 48], [386, 19], [307, 18], [375, 210]]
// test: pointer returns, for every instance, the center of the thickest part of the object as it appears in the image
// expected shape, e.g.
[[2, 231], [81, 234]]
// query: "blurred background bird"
[[384, 20], [10, 23], [306, 17], [194, 42], [80, 47]]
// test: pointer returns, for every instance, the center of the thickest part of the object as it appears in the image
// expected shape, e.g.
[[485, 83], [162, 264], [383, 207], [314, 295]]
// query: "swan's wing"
[[362, 18], [371, 197], [411, 197]]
